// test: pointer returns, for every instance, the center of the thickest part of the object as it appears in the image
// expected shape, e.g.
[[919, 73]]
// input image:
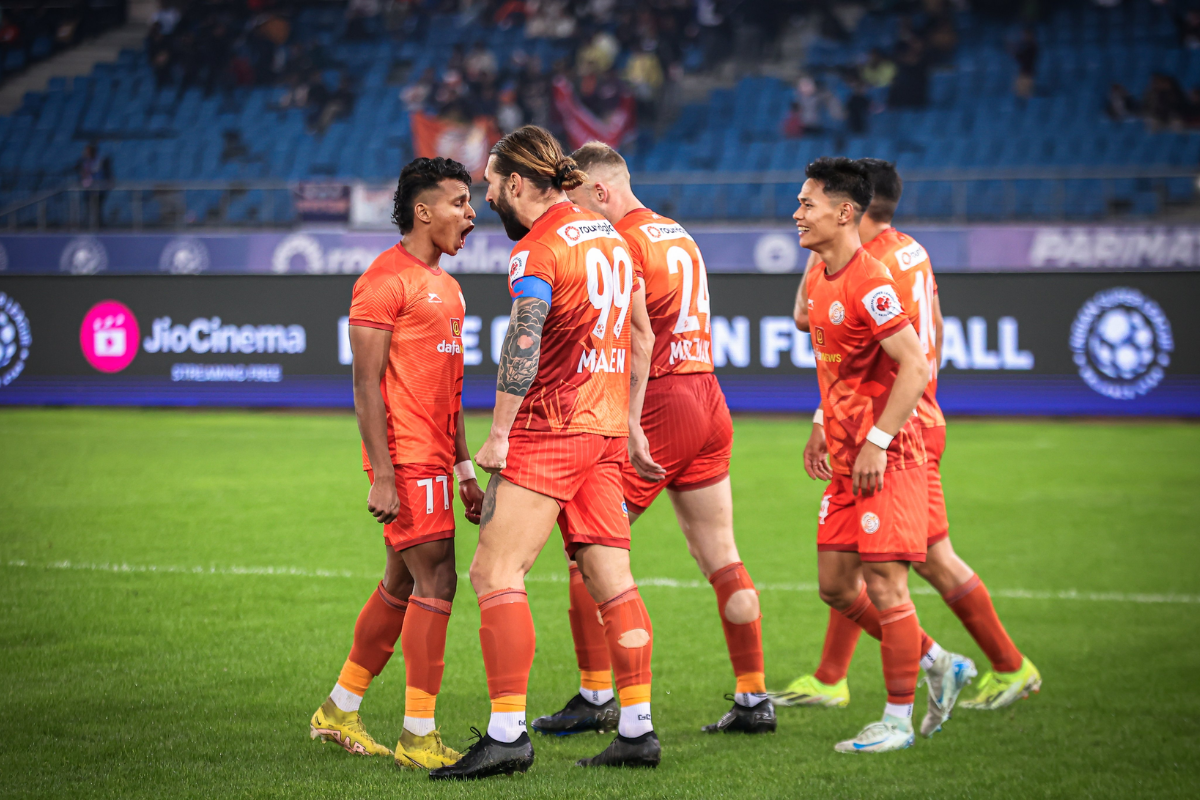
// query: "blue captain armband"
[[532, 286]]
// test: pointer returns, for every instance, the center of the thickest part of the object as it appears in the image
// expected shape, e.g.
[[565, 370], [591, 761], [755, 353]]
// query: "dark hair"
[[417, 176], [888, 187], [844, 177], [535, 155]]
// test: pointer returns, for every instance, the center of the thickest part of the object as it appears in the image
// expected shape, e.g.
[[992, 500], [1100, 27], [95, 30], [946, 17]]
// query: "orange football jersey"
[[676, 292], [848, 315], [423, 307], [582, 383], [909, 265]]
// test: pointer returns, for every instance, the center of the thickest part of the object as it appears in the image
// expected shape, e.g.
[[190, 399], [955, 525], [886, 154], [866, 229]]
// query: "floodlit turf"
[[163, 682]]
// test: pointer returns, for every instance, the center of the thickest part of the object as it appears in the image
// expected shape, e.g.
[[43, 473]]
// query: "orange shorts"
[[691, 437], [890, 525], [582, 471], [426, 506], [935, 445]]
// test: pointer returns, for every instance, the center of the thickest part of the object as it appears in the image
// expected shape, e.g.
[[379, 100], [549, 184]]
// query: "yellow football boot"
[[999, 689], [808, 691], [424, 752], [331, 724]]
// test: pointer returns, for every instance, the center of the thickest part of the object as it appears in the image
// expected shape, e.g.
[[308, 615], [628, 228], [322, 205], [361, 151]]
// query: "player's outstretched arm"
[[641, 351], [519, 357], [370, 347], [911, 378], [800, 311], [468, 488]]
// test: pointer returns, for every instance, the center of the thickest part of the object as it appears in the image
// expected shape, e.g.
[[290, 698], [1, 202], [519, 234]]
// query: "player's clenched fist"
[[472, 499], [493, 456], [868, 469], [816, 456], [382, 500]]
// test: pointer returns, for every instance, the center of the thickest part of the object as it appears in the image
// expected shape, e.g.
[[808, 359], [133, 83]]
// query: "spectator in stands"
[[358, 15], [942, 39], [1189, 30], [858, 109], [166, 18], [419, 93], [817, 104], [598, 55], [509, 115], [1164, 104], [910, 89], [549, 19], [479, 62], [793, 123], [645, 76], [878, 71], [1120, 105], [88, 167], [1026, 55]]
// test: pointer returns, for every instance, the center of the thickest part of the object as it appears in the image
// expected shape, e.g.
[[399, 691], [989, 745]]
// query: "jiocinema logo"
[[209, 335]]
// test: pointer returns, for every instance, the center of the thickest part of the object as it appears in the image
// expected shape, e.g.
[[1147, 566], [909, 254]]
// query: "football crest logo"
[[456, 327], [870, 522], [837, 313]]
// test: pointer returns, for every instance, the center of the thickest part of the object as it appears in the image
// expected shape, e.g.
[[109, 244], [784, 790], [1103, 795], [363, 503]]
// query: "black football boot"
[[745, 719], [642, 751], [488, 757], [580, 716]]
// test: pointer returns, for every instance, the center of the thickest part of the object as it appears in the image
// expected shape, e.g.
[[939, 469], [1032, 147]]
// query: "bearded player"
[[556, 447], [684, 426], [871, 371], [1012, 676], [405, 331]]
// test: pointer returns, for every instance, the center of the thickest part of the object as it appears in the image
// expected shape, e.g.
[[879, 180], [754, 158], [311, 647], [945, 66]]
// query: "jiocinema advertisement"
[[1034, 344]]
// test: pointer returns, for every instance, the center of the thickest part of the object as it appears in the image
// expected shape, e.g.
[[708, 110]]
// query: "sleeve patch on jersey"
[[882, 304], [908, 257], [575, 232], [661, 233], [516, 266]]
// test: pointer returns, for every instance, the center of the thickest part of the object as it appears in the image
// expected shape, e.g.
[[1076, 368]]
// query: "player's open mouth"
[[462, 240]]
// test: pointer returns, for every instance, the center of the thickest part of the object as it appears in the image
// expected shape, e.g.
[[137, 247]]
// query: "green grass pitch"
[[192, 670]]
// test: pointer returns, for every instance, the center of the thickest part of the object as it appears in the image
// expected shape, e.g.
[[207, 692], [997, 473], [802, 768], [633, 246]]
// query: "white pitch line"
[[668, 583]]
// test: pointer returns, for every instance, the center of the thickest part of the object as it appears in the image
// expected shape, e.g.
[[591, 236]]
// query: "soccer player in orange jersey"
[[1012, 674], [405, 330], [684, 426], [556, 447], [871, 371]]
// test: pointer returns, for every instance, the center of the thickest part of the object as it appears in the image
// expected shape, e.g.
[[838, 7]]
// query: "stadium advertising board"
[[772, 250], [1013, 344]]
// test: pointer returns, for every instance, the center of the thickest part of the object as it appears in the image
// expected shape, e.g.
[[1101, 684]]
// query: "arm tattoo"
[[522, 346], [633, 381]]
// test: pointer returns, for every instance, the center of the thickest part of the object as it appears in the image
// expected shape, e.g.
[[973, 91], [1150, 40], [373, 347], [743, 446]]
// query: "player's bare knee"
[[398, 583], [742, 607]]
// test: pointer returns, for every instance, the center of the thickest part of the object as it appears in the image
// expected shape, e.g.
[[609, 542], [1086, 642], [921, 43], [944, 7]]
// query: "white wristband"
[[879, 438], [465, 470], [819, 417]]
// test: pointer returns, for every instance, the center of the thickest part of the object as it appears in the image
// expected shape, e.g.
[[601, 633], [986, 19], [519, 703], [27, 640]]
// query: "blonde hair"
[[595, 155], [535, 155]]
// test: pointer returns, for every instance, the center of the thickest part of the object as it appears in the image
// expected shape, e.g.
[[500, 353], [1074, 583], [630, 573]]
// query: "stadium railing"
[[982, 195]]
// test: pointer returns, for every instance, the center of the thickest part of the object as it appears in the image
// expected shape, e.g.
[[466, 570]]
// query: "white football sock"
[[749, 699], [596, 697], [635, 720], [931, 657], [898, 711], [345, 699], [419, 726], [506, 726]]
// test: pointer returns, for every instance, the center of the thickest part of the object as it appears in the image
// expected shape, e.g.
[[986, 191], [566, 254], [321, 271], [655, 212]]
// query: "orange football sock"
[[424, 645], [744, 639], [630, 641], [841, 637], [901, 652], [508, 640], [376, 631], [587, 630], [972, 604]]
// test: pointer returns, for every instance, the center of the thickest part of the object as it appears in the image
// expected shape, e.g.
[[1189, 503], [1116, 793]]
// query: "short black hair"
[[844, 177], [885, 180], [421, 174]]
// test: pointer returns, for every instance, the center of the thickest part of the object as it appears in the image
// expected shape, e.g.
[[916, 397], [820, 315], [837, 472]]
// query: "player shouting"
[[871, 371], [1012, 675], [556, 447], [405, 330], [685, 427]]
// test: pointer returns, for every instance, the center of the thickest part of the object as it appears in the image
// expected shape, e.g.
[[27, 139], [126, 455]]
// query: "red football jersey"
[[676, 292], [423, 307], [908, 263], [849, 313], [582, 383]]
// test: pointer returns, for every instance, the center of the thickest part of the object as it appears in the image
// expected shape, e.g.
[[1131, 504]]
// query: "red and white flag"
[[582, 126], [466, 143]]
